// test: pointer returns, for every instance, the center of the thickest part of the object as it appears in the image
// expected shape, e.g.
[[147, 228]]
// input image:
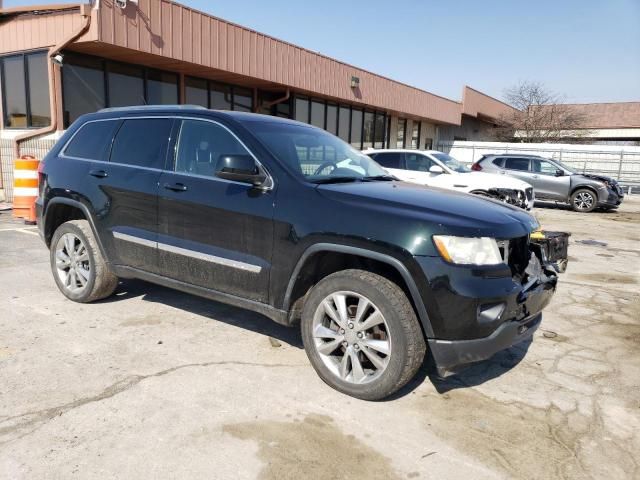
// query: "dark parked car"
[[554, 181], [289, 221]]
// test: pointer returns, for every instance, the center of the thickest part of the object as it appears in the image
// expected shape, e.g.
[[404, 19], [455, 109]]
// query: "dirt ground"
[[154, 383]]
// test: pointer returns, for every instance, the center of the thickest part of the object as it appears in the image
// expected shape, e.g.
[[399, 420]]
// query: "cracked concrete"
[[154, 384]]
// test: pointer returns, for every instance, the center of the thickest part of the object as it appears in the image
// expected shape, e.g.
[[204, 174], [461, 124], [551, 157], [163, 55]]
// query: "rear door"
[[128, 186], [545, 181], [518, 167], [214, 233]]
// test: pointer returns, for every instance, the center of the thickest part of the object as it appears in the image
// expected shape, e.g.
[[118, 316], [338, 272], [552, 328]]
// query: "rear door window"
[[515, 163], [418, 163], [389, 159], [93, 140], [142, 142]]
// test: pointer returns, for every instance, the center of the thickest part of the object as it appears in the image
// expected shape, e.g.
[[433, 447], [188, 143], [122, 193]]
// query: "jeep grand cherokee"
[[289, 221]]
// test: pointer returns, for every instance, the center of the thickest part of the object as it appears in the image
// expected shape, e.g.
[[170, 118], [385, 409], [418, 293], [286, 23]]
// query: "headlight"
[[467, 250]]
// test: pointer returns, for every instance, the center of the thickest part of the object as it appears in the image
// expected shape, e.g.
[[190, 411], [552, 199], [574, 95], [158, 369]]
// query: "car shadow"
[[221, 312], [473, 375], [550, 205]]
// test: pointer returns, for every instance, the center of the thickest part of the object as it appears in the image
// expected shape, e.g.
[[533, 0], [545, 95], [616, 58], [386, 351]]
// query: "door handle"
[[535, 176], [176, 187], [98, 173]]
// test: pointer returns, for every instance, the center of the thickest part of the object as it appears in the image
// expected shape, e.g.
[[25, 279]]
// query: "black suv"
[[289, 221]]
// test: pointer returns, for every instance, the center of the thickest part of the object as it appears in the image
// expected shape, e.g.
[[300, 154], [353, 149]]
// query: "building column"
[[57, 79]]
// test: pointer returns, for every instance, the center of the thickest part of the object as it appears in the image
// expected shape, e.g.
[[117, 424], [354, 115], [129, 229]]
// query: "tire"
[[82, 276], [584, 200], [335, 350]]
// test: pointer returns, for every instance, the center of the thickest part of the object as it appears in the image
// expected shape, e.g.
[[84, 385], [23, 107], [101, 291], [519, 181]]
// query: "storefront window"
[[302, 109], [356, 128], [317, 114], [219, 96], [25, 90], [415, 135], [402, 128], [126, 85], [242, 99], [368, 130], [380, 134], [195, 91], [344, 120], [162, 88], [83, 89], [332, 119]]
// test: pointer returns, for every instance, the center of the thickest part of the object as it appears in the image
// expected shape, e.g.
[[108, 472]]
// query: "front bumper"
[[475, 313], [451, 356], [610, 197]]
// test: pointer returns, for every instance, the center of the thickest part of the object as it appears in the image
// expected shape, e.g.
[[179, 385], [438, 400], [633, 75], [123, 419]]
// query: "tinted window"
[[125, 85], [417, 162], [544, 167], [200, 146], [162, 88], [93, 140], [517, 164], [38, 89], [196, 91], [381, 123], [220, 97], [317, 114], [332, 118], [242, 99], [415, 136], [302, 109], [368, 130], [82, 87], [14, 92], [402, 126], [343, 123], [499, 162], [142, 142], [356, 128], [389, 159]]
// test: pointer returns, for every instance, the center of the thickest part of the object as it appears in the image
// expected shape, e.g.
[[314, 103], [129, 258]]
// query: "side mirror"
[[559, 173], [240, 168], [437, 169]]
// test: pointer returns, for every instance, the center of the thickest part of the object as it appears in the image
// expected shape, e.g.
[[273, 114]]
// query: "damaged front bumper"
[[519, 198], [480, 312]]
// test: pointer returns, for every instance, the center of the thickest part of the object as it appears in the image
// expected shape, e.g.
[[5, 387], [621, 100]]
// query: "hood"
[[492, 180], [435, 210], [601, 178]]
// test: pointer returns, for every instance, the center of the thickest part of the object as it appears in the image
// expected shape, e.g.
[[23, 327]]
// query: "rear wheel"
[[79, 268], [361, 334], [583, 200]]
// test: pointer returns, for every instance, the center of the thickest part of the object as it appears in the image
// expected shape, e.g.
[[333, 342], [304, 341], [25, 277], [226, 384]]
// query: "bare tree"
[[539, 115]]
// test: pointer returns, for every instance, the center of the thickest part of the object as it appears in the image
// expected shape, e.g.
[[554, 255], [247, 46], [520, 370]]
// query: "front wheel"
[[361, 334], [583, 200]]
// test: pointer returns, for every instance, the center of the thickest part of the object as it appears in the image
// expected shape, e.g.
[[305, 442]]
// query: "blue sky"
[[588, 51]]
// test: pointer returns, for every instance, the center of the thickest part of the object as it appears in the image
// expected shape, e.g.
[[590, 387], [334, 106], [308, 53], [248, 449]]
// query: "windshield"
[[316, 155], [451, 162]]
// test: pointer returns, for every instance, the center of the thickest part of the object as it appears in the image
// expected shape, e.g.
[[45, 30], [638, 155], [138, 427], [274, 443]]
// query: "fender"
[[382, 257], [85, 210]]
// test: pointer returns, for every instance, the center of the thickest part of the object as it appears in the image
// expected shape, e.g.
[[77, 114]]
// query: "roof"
[[607, 115]]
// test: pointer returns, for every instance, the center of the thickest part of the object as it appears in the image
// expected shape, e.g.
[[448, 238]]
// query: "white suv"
[[437, 169]]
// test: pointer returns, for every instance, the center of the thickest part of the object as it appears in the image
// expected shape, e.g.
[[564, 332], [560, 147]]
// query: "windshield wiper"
[[336, 179], [383, 178]]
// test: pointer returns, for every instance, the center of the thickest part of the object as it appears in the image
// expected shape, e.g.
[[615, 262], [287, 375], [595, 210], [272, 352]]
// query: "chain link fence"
[[621, 163]]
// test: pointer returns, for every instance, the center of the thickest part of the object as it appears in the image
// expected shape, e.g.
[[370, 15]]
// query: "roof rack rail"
[[153, 107]]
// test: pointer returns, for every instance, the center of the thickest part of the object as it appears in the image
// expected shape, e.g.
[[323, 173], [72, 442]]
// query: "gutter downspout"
[[85, 11], [279, 100]]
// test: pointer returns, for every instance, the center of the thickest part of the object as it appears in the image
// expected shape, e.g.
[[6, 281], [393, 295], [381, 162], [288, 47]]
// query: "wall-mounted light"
[[58, 59], [355, 82]]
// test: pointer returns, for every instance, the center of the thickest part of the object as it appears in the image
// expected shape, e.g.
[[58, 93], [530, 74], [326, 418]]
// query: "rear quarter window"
[[499, 162], [93, 140]]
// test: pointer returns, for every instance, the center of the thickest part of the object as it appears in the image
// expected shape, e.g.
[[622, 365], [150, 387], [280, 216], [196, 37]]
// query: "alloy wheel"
[[351, 337], [72, 263], [583, 201]]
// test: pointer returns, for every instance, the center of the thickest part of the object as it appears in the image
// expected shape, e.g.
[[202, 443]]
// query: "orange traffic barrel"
[[25, 188]]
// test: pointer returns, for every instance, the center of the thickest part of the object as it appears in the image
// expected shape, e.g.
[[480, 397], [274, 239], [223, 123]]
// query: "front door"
[[214, 233], [547, 183]]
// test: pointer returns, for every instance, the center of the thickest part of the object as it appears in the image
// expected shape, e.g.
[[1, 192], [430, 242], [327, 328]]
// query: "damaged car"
[[438, 169], [556, 181], [288, 221]]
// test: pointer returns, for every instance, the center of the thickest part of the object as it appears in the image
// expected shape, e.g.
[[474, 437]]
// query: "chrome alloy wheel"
[[72, 263], [352, 337], [583, 201]]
